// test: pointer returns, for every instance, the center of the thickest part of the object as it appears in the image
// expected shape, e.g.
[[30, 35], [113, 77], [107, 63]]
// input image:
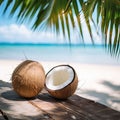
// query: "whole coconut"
[[28, 78]]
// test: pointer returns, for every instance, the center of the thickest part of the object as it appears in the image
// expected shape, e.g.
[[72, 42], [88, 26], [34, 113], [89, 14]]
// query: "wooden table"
[[44, 107]]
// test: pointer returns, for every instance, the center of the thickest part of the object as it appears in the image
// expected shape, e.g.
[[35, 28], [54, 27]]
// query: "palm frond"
[[1, 1], [109, 16], [64, 15]]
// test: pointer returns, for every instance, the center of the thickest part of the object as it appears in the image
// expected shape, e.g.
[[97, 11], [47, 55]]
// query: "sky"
[[13, 32]]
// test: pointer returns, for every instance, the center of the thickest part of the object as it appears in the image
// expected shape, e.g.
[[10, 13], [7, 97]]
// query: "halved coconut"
[[61, 81], [28, 78]]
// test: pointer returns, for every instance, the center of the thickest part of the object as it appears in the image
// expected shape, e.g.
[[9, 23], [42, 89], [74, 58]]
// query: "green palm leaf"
[[62, 16]]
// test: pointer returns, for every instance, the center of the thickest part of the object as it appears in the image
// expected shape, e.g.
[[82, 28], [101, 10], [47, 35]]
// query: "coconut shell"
[[28, 78], [68, 90]]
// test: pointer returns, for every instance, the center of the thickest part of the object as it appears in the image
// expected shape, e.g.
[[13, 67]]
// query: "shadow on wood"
[[45, 107]]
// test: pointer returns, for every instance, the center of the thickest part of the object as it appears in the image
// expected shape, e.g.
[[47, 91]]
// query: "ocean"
[[87, 54]]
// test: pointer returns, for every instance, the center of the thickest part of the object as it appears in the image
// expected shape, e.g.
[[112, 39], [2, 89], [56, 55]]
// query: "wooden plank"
[[3, 116], [75, 107], [45, 107], [53, 108], [17, 108], [93, 109]]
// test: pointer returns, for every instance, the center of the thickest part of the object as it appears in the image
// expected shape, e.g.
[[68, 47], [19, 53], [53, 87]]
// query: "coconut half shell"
[[28, 78], [61, 81]]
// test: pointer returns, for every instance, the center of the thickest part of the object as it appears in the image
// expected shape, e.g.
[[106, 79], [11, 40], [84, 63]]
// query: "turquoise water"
[[61, 53]]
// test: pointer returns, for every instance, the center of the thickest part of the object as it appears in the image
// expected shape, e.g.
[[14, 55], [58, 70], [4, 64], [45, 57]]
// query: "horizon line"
[[58, 44]]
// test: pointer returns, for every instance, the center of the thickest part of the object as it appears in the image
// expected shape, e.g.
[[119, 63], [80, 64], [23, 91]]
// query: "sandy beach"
[[100, 83]]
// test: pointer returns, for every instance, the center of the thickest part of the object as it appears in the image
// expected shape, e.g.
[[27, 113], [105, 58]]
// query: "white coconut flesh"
[[59, 77]]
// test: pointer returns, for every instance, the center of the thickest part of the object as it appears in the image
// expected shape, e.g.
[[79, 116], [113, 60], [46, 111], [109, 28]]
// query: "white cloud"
[[20, 33]]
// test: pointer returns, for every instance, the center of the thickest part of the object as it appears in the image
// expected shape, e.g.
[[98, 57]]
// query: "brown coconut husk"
[[68, 90], [28, 78]]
